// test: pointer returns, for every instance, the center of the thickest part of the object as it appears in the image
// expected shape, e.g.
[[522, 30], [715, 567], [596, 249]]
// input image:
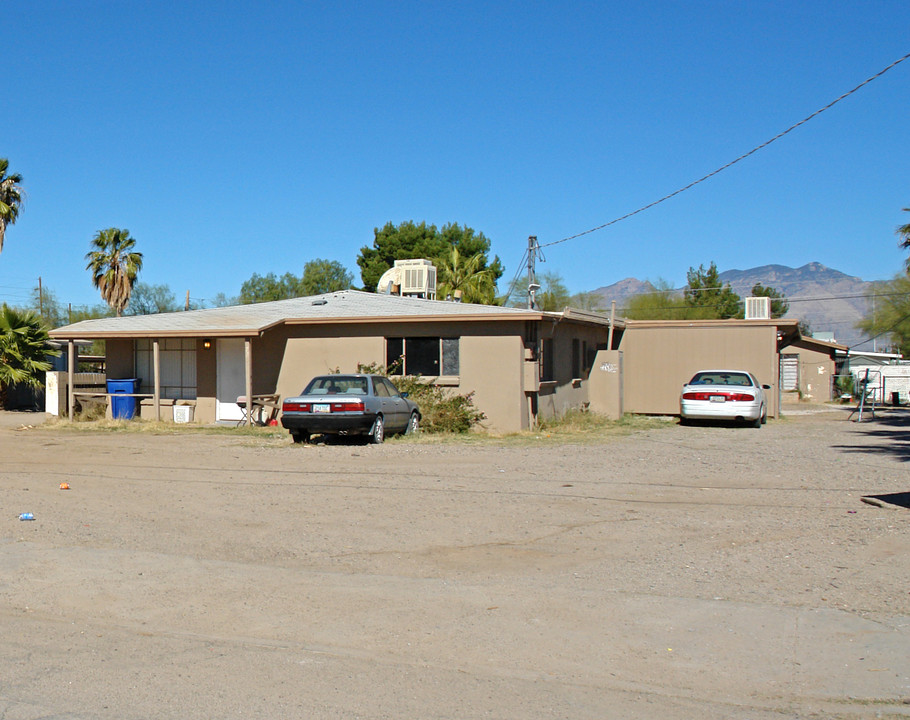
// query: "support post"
[[248, 371], [70, 377], [612, 319], [156, 371]]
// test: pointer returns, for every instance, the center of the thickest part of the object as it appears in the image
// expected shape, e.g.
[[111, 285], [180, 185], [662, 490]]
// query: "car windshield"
[[336, 385], [721, 378]]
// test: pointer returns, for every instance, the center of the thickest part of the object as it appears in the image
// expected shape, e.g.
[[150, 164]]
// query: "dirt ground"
[[677, 572]]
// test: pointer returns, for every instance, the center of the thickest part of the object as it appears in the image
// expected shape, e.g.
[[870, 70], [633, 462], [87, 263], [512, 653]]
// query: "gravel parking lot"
[[678, 572]]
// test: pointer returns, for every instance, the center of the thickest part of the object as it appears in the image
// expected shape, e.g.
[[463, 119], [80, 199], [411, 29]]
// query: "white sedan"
[[724, 395]]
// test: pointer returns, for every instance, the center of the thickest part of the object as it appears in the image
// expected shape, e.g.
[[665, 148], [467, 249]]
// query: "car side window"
[[390, 388], [379, 388]]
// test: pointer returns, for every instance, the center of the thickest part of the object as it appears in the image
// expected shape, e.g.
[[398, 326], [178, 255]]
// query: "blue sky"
[[237, 137]]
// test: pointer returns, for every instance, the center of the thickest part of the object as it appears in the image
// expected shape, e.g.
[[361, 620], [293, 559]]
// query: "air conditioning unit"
[[758, 308], [415, 278]]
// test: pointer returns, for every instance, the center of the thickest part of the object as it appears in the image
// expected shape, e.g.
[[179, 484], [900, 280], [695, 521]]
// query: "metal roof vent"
[[758, 308], [321, 301]]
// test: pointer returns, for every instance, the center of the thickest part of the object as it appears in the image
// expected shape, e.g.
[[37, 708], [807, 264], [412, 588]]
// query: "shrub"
[[442, 409]]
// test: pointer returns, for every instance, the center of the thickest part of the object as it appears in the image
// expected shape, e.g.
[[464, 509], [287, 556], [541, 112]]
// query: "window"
[[547, 372], [576, 358], [177, 370], [430, 356]]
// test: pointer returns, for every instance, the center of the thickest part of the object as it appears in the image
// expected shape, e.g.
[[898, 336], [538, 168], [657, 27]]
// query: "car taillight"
[[295, 407], [349, 406], [728, 396]]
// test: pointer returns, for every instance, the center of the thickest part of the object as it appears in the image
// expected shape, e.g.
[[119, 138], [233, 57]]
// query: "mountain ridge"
[[826, 298]]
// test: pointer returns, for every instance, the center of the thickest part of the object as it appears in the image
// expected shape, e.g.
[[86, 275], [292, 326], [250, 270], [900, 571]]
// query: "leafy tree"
[[663, 303], [266, 288], [52, 313], [10, 198], [151, 299], [24, 349], [903, 232], [410, 240], [222, 300], [707, 297], [468, 275], [47, 307], [324, 276], [891, 318], [553, 295], [779, 303], [588, 301], [114, 266]]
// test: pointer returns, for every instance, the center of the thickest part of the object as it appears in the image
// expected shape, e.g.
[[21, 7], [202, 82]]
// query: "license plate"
[[321, 408], [718, 398]]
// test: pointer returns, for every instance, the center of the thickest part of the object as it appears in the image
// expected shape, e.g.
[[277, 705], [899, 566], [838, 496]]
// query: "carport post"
[[70, 376], [248, 369], [156, 357]]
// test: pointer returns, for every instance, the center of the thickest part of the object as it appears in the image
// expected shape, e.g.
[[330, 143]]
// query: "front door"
[[230, 377]]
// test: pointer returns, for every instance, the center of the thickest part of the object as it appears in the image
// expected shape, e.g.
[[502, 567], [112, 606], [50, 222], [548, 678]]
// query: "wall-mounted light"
[[207, 344]]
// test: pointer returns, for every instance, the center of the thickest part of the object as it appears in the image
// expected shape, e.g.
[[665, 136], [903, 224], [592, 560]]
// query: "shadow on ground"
[[889, 429]]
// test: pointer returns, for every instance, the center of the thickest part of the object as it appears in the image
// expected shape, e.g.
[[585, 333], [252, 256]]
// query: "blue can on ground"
[[123, 408]]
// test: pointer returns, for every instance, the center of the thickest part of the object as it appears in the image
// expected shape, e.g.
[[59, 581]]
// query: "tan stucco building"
[[520, 365], [516, 362]]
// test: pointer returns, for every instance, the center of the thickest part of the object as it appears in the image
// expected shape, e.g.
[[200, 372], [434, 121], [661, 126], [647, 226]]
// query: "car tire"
[[413, 424], [377, 434], [684, 421], [300, 437], [764, 418], [756, 423]]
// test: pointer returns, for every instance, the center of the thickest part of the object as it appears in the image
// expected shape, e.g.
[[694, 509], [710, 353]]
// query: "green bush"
[[442, 410]]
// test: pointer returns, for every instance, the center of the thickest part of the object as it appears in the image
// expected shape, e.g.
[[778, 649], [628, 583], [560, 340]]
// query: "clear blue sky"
[[237, 137]]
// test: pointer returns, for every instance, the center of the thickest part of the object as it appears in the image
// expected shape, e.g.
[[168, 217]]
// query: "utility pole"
[[187, 306], [40, 299], [533, 254]]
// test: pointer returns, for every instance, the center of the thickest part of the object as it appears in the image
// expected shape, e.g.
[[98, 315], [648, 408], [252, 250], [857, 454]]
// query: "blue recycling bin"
[[123, 408]]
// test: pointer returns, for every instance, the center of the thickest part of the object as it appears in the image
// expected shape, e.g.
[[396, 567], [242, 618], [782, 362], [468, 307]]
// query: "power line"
[[733, 162]]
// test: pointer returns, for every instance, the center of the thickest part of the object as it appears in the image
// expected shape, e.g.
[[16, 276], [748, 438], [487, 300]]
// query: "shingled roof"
[[346, 306]]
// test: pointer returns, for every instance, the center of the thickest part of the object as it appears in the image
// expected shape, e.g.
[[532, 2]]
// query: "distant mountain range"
[[829, 300]]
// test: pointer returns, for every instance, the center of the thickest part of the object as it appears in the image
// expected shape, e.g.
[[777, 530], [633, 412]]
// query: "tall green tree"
[[588, 301], [889, 311], [266, 288], [24, 350], [410, 240], [324, 276], [553, 295], [903, 232], [151, 299], [114, 265], [708, 297], [662, 303], [779, 303], [468, 277], [10, 198]]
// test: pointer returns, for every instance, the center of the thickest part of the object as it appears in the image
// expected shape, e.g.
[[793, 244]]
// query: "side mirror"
[[404, 394], [766, 387]]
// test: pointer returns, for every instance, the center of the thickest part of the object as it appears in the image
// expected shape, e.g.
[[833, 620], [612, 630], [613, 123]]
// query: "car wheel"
[[377, 434], [684, 420], [413, 424], [756, 423], [301, 437], [764, 418]]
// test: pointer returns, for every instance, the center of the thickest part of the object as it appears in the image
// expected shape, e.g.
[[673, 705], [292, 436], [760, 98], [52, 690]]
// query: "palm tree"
[[10, 198], [114, 266], [903, 232], [23, 349], [467, 277]]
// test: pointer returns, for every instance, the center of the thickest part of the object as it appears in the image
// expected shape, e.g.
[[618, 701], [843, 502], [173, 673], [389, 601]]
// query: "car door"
[[394, 408]]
